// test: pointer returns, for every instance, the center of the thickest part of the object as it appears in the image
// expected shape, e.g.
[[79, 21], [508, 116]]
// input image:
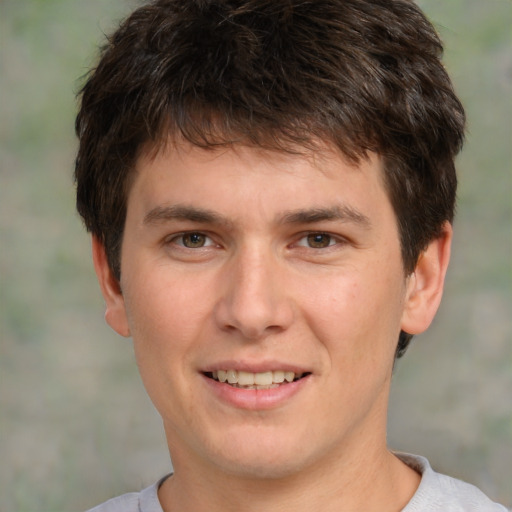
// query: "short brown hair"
[[364, 75]]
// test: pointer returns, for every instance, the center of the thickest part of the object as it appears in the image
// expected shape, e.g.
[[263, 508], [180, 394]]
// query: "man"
[[270, 188]]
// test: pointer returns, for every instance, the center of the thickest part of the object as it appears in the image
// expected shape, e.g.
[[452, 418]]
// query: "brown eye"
[[319, 240], [193, 240]]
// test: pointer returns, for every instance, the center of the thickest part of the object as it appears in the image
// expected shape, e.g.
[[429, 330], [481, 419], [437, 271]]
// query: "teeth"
[[245, 378], [263, 380], [278, 377]]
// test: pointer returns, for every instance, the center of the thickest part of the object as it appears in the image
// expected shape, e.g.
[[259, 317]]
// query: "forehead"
[[240, 175], [315, 154]]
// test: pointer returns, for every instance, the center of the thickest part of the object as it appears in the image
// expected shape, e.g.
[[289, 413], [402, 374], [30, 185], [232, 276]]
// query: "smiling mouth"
[[248, 380]]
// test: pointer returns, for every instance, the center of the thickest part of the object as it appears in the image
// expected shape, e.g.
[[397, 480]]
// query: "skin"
[[254, 260]]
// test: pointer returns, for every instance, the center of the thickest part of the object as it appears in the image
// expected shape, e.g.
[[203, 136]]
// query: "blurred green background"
[[75, 424]]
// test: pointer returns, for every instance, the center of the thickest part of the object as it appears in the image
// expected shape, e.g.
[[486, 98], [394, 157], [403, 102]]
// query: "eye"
[[192, 240], [317, 241]]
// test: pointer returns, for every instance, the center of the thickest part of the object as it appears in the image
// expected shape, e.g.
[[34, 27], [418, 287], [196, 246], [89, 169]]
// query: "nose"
[[253, 300]]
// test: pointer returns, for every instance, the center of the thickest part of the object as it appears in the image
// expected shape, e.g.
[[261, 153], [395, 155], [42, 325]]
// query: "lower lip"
[[255, 399]]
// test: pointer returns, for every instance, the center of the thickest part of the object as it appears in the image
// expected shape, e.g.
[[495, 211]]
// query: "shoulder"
[[144, 501], [441, 493], [125, 503]]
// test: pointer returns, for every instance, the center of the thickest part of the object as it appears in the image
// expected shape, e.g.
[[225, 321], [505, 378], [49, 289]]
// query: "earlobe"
[[425, 285], [115, 312]]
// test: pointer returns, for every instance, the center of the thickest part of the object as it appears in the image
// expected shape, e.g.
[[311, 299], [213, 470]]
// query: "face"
[[264, 293]]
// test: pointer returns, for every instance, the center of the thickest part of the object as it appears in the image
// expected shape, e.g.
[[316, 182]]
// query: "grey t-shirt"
[[436, 493]]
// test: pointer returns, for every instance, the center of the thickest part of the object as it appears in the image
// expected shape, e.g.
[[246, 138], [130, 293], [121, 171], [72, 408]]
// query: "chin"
[[262, 459], [271, 468]]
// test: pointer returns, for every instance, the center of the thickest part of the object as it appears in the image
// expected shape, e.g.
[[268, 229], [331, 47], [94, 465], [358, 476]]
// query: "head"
[[363, 76]]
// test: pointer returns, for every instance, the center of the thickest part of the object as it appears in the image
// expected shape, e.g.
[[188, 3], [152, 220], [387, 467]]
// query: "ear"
[[115, 313], [425, 284]]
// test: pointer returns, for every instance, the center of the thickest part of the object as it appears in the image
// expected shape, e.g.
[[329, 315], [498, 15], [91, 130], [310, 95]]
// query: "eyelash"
[[332, 240], [179, 240], [309, 237]]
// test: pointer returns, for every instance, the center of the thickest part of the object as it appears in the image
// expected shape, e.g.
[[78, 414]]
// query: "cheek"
[[164, 329], [357, 314], [162, 305]]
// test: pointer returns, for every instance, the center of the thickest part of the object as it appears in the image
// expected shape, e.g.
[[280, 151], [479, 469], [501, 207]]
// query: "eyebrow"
[[161, 214], [342, 213]]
